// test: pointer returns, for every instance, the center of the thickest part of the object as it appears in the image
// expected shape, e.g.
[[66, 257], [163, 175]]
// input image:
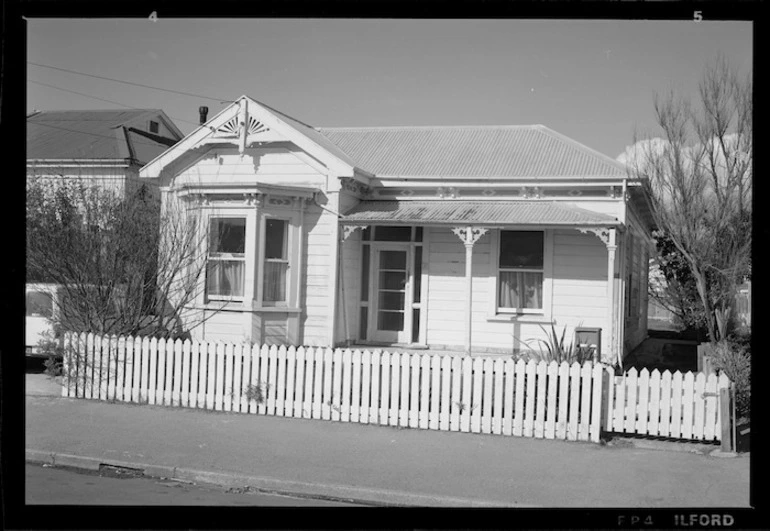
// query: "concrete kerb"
[[272, 485]]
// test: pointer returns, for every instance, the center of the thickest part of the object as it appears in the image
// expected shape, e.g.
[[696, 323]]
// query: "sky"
[[593, 81]]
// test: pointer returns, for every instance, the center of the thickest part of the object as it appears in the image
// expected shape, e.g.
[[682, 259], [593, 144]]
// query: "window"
[[39, 304], [227, 259], [276, 261], [520, 271], [154, 127]]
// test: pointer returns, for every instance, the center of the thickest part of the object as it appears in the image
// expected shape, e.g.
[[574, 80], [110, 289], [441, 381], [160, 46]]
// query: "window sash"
[[225, 277]]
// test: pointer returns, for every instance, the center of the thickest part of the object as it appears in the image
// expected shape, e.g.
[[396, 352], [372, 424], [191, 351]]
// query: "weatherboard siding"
[[578, 296]]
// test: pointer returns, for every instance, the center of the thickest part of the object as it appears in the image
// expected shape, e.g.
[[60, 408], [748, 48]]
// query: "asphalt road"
[[57, 486]]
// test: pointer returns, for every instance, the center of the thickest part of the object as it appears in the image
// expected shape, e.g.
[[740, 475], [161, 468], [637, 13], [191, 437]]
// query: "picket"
[[508, 385], [184, 385], [486, 387], [299, 382], [316, 399], [478, 375], [347, 366], [414, 391], [631, 405], [205, 375], [498, 368], [574, 401], [540, 387], [355, 397], [552, 373], [165, 374], [597, 379], [676, 404], [395, 380], [436, 393], [384, 414], [529, 399], [466, 401], [336, 398], [144, 390], [586, 375], [608, 399], [280, 382], [518, 414], [404, 402], [137, 370], [116, 386], [688, 388], [366, 386], [104, 367], [699, 405], [425, 392], [664, 425], [451, 389], [563, 401], [643, 401], [153, 371], [237, 378], [654, 405], [711, 397], [374, 396], [621, 397]]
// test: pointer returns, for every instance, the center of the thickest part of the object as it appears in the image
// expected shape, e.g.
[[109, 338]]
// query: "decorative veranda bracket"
[[605, 234], [469, 235], [347, 230]]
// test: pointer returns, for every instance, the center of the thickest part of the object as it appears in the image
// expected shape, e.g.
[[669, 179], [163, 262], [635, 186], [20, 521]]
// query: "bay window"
[[226, 265], [520, 271]]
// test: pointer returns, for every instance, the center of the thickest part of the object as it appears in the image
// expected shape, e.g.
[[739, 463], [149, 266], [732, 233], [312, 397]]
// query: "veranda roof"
[[452, 212]]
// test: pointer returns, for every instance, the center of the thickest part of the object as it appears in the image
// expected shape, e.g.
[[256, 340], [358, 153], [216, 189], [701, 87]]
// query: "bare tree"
[[700, 177], [127, 266]]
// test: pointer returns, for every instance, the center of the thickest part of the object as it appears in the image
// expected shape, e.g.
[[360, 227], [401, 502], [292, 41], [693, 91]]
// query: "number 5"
[[697, 16]]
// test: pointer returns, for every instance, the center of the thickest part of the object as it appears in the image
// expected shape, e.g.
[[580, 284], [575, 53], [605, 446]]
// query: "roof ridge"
[[426, 127], [95, 110]]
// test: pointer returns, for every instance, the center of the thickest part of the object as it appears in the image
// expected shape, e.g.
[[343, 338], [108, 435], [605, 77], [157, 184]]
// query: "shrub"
[[735, 361], [51, 348], [555, 349]]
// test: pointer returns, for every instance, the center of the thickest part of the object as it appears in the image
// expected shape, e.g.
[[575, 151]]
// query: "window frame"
[[226, 257], [495, 311], [293, 274], [287, 243]]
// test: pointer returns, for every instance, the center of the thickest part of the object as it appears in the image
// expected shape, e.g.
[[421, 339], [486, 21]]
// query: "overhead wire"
[[104, 99], [220, 100]]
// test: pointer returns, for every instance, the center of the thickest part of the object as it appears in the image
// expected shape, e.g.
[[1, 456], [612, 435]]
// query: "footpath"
[[372, 464]]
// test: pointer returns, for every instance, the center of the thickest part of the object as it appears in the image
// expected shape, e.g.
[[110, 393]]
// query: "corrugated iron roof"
[[475, 212], [89, 135], [526, 151]]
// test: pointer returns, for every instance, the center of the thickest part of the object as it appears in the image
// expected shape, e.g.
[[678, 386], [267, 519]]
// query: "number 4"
[[154, 16], [697, 16]]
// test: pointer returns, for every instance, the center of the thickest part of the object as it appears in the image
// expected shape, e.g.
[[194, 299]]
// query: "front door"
[[390, 321]]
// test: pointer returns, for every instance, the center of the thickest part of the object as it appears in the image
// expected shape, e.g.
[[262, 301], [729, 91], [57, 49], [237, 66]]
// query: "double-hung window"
[[276, 262], [226, 264], [521, 271]]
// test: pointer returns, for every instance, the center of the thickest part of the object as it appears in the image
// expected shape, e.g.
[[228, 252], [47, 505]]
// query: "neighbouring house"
[[103, 147], [454, 238]]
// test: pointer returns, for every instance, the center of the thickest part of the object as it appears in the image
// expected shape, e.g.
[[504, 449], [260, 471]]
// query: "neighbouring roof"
[[475, 213], [100, 135], [519, 151]]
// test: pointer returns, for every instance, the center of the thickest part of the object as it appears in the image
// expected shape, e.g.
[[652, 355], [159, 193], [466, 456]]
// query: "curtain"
[[225, 277], [274, 287], [520, 289]]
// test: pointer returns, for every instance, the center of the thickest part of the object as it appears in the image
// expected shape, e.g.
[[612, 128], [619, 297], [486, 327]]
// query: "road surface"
[[57, 486]]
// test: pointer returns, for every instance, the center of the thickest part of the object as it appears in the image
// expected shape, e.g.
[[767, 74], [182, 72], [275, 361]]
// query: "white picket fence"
[[466, 394], [680, 406]]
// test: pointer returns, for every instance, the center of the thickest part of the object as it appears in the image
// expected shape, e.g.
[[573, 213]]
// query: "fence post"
[[726, 418]]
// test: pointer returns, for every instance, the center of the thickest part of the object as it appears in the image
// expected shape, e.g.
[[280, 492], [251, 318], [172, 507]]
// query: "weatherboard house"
[[468, 239]]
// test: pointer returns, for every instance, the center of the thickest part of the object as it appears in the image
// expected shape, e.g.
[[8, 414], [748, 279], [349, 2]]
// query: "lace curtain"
[[274, 288], [225, 277], [519, 289]]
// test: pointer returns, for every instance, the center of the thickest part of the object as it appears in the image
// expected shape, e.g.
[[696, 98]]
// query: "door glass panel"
[[392, 279], [393, 260], [393, 321], [392, 300]]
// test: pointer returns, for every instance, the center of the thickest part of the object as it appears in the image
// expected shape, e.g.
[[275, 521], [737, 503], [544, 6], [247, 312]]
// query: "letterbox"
[[589, 338]]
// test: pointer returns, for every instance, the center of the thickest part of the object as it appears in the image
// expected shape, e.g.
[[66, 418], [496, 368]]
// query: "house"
[[454, 238], [103, 147]]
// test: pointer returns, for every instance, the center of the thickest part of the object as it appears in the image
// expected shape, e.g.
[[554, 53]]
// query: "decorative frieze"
[[355, 187], [447, 192], [603, 233], [347, 230]]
